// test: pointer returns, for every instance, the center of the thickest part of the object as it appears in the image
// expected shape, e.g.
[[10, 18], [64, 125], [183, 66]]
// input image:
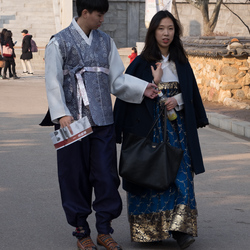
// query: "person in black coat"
[[156, 215], [9, 59], [26, 55], [2, 43]]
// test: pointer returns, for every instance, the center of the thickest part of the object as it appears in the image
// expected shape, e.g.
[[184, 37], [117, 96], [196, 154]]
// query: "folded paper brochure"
[[62, 137]]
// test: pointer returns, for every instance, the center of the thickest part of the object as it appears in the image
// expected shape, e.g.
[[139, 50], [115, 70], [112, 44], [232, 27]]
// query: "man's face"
[[94, 20]]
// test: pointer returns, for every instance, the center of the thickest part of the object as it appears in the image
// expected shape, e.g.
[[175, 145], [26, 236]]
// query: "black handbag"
[[148, 164]]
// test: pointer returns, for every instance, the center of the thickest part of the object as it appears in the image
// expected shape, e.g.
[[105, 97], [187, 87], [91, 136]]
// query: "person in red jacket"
[[133, 54]]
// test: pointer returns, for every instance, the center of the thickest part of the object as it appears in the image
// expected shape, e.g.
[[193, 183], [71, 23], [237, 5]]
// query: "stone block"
[[238, 127], [241, 75], [246, 80], [239, 63], [240, 94], [199, 81], [244, 68], [229, 79], [213, 95], [215, 84], [226, 123], [229, 86], [110, 27], [247, 131], [223, 95], [229, 71], [235, 104], [121, 6], [199, 66], [227, 61], [214, 119], [122, 14], [121, 32], [206, 82]]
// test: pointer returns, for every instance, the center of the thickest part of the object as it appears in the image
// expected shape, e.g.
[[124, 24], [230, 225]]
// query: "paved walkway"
[[230, 119], [31, 215]]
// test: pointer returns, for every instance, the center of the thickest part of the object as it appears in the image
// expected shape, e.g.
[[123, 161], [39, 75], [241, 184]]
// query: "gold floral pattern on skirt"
[[157, 226]]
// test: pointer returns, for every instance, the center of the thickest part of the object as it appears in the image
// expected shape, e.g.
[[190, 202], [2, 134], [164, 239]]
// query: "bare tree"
[[209, 23]]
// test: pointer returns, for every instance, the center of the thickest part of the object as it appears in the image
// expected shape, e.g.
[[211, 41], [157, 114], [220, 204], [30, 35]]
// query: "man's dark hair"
[[92, 5], [25, 31]]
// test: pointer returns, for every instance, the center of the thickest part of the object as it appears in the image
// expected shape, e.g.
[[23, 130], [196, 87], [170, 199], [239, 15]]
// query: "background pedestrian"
[[26, 55]]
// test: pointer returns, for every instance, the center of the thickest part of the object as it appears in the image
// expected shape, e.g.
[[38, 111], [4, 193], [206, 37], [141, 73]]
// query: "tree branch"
[[196, 4], [214, 18], [176, 14], [237, 16]]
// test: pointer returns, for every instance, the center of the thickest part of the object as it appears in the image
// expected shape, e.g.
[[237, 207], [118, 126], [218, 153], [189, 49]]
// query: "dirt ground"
[[241, 114]]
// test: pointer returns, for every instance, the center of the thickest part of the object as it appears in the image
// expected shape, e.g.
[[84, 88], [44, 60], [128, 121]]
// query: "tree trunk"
[[208, 23], [174, 10]]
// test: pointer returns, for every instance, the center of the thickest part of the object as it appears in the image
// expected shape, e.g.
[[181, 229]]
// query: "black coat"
[[11, 44], [138, 118], [26, 46]]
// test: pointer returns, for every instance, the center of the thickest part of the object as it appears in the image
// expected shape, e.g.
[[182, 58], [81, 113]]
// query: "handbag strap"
[[162, 109], [165, 125]]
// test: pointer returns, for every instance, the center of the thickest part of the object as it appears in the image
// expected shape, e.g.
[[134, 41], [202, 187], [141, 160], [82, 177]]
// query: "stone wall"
[[223, 80], [124, 22]]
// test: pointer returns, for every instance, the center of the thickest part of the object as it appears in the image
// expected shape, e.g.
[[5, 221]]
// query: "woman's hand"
[[171, 103], [65, 121], [157, 73]]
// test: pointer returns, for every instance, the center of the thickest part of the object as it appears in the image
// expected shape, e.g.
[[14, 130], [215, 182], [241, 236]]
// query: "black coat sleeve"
[[200, 113], [121, 107]]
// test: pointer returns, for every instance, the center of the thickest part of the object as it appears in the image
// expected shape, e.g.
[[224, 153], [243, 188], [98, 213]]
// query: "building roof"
[[214, 46]]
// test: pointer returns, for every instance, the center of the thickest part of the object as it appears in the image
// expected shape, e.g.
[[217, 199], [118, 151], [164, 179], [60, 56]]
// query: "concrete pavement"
[[31, 216]]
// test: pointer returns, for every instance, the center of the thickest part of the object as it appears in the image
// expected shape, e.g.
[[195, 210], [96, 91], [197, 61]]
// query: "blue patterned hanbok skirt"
[[153, 215]]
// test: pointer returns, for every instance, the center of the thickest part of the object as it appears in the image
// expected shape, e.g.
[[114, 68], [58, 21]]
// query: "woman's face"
[[164, 35]]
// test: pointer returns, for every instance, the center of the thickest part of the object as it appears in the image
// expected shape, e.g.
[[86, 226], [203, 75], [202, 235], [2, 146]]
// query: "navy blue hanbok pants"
[[86, 166]]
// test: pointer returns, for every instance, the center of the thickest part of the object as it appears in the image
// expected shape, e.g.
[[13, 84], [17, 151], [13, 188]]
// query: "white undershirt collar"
[[87, 39]]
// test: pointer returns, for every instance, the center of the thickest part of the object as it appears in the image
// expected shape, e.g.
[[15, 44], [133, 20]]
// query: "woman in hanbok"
[[158, 215]]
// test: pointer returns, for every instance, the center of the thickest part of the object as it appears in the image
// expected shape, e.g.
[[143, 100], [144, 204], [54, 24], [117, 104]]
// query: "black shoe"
[[183, 240], [16, 77], [11, 75], [4, 76]]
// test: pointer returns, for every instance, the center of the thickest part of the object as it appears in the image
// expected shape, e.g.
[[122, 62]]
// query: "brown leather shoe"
[[86, 243], [108, 242]]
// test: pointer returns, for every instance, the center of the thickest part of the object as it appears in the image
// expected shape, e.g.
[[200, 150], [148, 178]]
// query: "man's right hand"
[[151, 91], [65, 121]]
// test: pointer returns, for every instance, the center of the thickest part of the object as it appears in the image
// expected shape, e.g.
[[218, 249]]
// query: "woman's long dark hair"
[[7, 35], [151, 51]]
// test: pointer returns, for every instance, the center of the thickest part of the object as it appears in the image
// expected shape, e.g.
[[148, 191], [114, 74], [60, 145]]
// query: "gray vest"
[[77, 54]]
